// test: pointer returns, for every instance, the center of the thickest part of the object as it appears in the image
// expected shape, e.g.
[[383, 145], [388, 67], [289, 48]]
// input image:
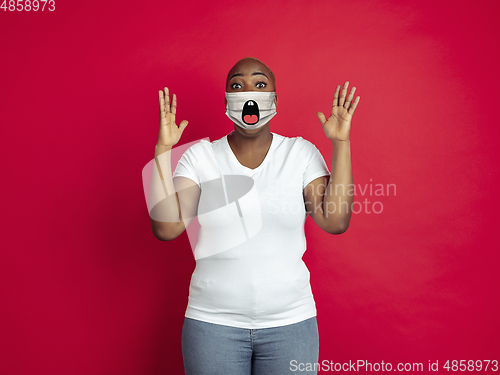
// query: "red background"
[[87, 289]]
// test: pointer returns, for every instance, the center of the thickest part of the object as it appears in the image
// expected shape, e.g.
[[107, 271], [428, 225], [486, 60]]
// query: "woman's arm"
[[327, 199], [174, 201], [172, 204]]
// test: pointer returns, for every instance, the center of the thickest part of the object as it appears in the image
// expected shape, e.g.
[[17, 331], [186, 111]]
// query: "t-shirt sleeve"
[[186, 166], [316, 166]]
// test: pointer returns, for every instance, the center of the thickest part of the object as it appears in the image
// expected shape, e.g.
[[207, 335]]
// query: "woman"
[[251, 308]]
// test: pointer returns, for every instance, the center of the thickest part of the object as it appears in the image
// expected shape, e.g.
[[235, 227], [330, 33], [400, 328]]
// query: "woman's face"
[[250, 75]]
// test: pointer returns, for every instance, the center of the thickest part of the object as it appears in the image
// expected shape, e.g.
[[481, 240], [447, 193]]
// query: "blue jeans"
[[214, 349]]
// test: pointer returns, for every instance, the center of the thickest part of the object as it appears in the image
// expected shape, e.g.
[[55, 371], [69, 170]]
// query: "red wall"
[[85, 288]]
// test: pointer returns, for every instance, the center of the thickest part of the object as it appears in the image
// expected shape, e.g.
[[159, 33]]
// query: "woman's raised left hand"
[[338, 126]]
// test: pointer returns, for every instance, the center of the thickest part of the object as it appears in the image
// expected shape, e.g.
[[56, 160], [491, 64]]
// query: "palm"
[[169, 133], [338, 125]]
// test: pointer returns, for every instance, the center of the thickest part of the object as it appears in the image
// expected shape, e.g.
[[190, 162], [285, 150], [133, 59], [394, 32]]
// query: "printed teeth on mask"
[[250, 113]]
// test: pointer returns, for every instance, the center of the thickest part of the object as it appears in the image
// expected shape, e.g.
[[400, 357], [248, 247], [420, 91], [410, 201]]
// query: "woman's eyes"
[[259, 85]]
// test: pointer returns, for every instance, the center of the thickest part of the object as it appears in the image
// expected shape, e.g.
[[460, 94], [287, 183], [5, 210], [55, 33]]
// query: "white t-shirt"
[[249, 269]]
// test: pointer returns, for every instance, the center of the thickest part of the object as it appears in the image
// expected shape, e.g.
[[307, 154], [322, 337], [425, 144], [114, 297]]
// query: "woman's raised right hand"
[[169, 132]]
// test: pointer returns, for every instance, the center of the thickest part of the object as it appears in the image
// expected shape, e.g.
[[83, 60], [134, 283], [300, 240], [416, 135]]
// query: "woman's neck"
[[248, 142]]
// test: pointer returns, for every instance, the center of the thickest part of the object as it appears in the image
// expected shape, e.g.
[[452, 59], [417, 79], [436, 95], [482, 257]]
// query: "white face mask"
[[250, 109]]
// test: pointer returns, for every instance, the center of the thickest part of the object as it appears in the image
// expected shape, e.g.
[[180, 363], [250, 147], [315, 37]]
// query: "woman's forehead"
[[249, 67], [246, 67]]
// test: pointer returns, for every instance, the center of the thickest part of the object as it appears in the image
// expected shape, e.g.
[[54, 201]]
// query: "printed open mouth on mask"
[[250, 113]]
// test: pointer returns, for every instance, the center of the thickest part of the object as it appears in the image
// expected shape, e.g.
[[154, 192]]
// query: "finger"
[[183, 125], [167, 101], [173, 107], [321, 117], [349, 98], [336, 97], [162, 104], [343, 94], [354, 105]]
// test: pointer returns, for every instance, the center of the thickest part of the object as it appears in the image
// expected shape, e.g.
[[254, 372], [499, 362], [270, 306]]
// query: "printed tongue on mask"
[[250, 113]]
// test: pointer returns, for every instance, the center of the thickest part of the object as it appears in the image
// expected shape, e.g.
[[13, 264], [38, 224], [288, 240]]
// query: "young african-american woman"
[[251, 309]]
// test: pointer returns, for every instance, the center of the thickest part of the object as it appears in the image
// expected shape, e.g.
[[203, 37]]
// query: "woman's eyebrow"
[[253, 74], [256, 73]]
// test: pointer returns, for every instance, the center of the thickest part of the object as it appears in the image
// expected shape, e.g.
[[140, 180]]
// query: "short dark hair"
[[273, 78]]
